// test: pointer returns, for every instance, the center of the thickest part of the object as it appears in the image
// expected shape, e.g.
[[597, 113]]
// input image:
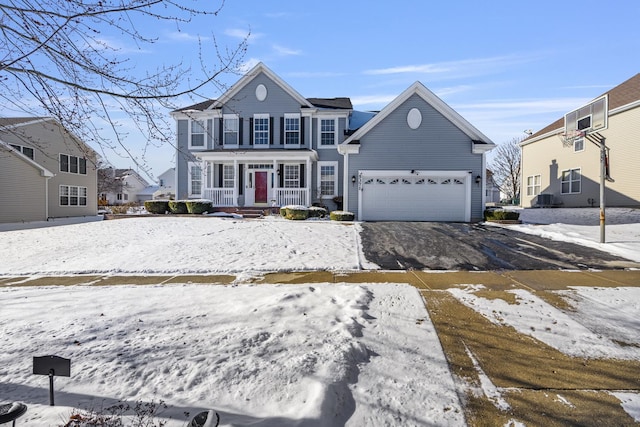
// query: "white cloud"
[[182, 36], [285, 51], [248, 65], [456, 69], [375, 101], [240, 33]]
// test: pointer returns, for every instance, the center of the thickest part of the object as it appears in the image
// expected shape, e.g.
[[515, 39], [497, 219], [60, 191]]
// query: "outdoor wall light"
[[353, 179], [478, 179]]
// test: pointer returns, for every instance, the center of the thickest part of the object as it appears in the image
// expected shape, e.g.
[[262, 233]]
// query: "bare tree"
[[56, 60], [506, 168]]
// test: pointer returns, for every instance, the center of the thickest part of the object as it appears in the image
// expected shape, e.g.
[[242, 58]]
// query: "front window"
[[291, 176], [230, 124], [228, 176], [72, 164], [327, 132], [261, 129], [533, 185], [292, 129], [328, 178], [195, 179], [197, 133], [571, 181], [71, 195]]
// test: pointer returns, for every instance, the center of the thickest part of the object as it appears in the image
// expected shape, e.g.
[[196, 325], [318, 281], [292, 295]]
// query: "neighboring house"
[[166, 185], [492, 192], [45, 150], [554, 175], [126, 186], [262, 144], [24, 187]]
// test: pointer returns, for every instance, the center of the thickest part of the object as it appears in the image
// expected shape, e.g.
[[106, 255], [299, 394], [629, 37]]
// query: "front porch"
[[260, 178], [226, 197]]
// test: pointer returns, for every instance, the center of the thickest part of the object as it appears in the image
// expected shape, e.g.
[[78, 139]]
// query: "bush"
[[119, 209], [156, 206], [297, 212], [178, 207], [283, 211], [198, 207], [341, 216], [317, 212], [500, 215]]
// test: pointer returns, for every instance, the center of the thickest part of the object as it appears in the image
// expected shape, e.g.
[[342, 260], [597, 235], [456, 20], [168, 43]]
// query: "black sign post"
[[52, 366]]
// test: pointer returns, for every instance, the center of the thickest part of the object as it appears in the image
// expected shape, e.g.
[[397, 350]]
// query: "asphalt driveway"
[[462, 246]]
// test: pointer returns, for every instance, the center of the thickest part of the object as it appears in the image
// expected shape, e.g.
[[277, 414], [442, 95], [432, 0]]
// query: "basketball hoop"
[[570, 136]]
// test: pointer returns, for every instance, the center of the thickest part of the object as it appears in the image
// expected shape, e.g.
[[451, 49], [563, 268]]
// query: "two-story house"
[[263, 144], [126, 186], [68, 164]]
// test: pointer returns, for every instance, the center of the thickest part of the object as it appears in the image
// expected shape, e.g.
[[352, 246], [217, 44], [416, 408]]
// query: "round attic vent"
[[261, 92], [414, 118]]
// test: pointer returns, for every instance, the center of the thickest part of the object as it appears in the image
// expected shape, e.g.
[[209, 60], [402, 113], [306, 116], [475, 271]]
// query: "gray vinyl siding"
[[182, 159], [277, 103], [49, 140], [436, 145], [23, 191]]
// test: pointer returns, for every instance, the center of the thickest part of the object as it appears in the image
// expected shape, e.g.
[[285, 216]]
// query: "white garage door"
[[423, 196]]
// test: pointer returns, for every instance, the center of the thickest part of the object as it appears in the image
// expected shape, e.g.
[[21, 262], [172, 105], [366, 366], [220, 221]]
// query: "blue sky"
[[506, 66]]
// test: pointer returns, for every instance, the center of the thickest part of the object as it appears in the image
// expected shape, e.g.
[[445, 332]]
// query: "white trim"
[[190, 193], [335, 179], [336, 126], [43, 171], [533, 186], [204, 135], [261, 116], [284, 138], [252, 74], [570, 181], [258, 156], [346, 180], [419, 89], [224, 136]]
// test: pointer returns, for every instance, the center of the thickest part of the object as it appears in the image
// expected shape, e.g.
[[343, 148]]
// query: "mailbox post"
[[52, 366]]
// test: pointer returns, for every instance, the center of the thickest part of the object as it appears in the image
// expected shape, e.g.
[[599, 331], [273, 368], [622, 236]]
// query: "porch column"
[[236, 181], [309, 194], [276, 182]]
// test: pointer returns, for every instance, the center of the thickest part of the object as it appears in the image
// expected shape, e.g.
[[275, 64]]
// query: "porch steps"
[[251, 212]]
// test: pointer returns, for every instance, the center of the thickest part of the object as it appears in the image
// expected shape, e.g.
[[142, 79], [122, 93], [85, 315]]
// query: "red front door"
[[261, 187]]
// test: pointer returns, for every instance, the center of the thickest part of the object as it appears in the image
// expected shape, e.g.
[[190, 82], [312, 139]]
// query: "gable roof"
[[200, 106], [43, 171], [439, 105], [625, 94], [16, 122], [260, 68]]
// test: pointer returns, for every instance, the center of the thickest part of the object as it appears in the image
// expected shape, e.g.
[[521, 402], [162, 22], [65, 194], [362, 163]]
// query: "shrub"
[[500, 215], [119, 209], [144, 414], [317, 212], [178, 207], [297, 212], [283, 211], [341, 216], [198, 207], [156, 206]]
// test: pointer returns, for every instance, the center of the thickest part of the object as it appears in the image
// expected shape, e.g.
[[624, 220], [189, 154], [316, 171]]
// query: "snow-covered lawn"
[[264, 355]]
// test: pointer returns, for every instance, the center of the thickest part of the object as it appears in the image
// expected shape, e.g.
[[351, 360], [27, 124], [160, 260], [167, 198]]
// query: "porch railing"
[[291, 196], [219, 196]]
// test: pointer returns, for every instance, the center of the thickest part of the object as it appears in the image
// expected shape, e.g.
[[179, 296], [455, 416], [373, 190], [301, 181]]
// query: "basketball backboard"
[[591, 117]]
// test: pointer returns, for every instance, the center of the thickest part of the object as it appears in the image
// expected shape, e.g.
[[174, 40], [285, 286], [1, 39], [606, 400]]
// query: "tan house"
[[569, 176], [35, 150]]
